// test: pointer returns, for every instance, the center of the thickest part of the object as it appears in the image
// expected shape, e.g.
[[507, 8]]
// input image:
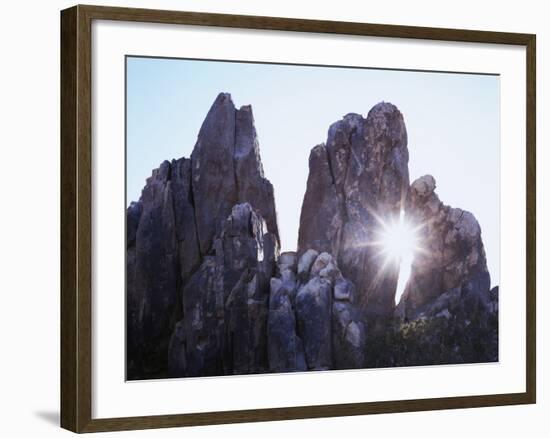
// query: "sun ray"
[[398, 242]]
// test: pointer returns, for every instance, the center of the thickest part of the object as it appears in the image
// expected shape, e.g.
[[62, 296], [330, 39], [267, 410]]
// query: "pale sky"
[[452, 124]]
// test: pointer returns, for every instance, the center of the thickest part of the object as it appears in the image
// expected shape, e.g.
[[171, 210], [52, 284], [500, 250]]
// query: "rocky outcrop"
[[184, 211], [252, 186], [173, 232], [447, 313], [451, 254], [153, 301], [209, 294], [227, 170], [285, 347], [358, 180], [225, 303], [314, 323], [459, 326]]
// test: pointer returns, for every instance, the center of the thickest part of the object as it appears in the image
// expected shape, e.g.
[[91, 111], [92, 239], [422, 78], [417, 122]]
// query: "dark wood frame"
[[76, 237]]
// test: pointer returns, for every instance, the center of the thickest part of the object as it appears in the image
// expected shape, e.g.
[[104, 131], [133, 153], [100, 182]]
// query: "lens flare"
[[399, 241]]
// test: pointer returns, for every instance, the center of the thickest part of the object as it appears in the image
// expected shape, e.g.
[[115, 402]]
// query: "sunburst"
[[398, 240]]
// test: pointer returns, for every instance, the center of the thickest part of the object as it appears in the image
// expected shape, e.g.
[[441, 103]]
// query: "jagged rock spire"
[[451, 250], [227, 169], [180, 215], [356, 181], [209, 294]]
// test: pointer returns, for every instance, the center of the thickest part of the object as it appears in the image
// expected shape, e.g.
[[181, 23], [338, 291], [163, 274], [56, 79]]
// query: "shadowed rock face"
[[360, 179], [173, 230], [356, 181], [226, 170], [225, 303], [447, 313], [452, 250], [313, 323], [252, 186], [213, 171], [208, 293], [153, 259], [184, 214]]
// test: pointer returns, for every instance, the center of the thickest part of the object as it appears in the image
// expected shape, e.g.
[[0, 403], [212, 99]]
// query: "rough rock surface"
[[209, 294], [225, 303], [459, 326], [184, 211], [172, 231], [447, 313], [227, 170], [285, 347], [451, 252], [314, 322], [153, 302], [252, 186], [356, 181]]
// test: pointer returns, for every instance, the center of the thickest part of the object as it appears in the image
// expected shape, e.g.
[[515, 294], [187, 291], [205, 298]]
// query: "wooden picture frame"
[[76, 217]]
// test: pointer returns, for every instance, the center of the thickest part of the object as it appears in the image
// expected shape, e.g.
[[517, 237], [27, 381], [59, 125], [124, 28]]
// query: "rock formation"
[[357, 180], [209, 294], [225, 303], [172, 230], [448, 309], [153, 301], [227, 170], [285, 347], [451, 252], [314, 323]]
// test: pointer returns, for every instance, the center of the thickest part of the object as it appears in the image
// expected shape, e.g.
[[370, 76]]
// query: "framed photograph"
[[306, 218]]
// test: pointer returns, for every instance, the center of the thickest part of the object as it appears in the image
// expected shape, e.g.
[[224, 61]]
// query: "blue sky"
[[452, 124]]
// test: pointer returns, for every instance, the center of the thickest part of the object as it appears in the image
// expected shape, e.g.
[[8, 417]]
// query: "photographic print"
[[298, 218]]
